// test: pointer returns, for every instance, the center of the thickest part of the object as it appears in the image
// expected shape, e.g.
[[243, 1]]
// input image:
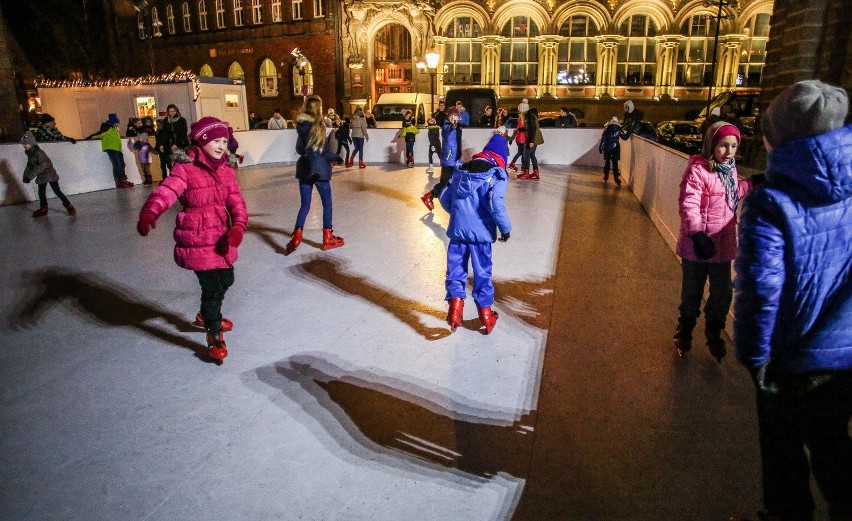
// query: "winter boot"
[[683, 335], [715, 342], [617, 181], [430, 170], [488, 318], [534, 174], [294, 242], [329, 240], [606, 177], [148, 181], [361, 164], [427, 200], [71, 210], [41, 212], [525, 174], [226, 326], [123, 183], [513, 167], [349, 162], [216, 347], [454, 315], [409, 161]]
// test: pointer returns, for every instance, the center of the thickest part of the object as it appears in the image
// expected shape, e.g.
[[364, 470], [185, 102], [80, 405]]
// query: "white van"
[[389, 110]]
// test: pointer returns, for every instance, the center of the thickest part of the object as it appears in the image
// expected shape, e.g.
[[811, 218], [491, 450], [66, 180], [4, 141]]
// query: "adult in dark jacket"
[[47, 130], [632, 118], [610, 147], [793, 308], [440, 115], [566, 119], [534, 138], [313, 169], [171, 136], [487, 119]]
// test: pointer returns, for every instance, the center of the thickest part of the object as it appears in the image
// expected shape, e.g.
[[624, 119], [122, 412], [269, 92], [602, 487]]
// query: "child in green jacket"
[[111, 144], [409, 133]]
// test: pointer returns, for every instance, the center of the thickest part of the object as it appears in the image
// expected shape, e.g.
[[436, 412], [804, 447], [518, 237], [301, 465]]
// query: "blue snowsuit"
[[474, 198]]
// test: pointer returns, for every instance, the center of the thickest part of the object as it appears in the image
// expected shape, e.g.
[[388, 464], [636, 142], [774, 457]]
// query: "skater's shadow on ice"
[[409, 312], [359, 185], [527, 300], [102, 301], [267, 234], [389, 416], [437, 229]]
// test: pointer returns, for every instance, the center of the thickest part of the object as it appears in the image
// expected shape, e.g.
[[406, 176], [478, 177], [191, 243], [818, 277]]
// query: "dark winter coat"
[[39, 167], [342, 133], [610, 146], [313, 165], [631, 121], [487, 121], [172, 133], [794, 264], [568, 121]]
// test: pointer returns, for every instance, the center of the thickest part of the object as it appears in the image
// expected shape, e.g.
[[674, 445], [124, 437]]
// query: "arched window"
[[462, 52], [303, 78], [187, 17], [268, 79], [220, 14], [238, 13], [155, 22], [753, 56], [202, 15], [695, 51], [170, 19], [577, 54], [637, 52], [256, 11], [276, 11], [518, 54], [206, 71], [140, 24], [235, 72]]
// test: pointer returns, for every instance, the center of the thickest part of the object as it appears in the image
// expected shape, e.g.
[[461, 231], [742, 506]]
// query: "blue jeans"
[[117, 160], [305, 192], [358, 144], [479, 255], [409, 150]]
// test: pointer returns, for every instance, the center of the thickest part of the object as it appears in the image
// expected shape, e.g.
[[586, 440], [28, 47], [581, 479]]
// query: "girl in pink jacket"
[[709, 193], [211, 225]]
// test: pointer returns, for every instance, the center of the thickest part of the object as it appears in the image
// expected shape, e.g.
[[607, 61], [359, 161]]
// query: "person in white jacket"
[[277, 121]]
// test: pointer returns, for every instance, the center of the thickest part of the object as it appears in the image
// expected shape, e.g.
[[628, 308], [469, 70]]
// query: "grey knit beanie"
[[808, 108], [28, 139]]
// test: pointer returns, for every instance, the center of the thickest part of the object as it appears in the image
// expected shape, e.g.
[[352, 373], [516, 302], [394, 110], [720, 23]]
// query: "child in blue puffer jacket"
[[474, 198]]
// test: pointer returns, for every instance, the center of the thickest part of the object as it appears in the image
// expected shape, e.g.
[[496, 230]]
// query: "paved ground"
[[344, 395]]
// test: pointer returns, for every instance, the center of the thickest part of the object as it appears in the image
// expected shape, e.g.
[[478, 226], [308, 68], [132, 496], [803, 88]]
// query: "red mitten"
[[231, 239], [147, 220]]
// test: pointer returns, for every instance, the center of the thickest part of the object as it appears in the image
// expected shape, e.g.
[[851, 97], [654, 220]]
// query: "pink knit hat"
[[715, 133], [207, 129]]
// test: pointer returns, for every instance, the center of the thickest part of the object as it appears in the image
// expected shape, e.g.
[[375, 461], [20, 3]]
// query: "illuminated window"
[[577, 55], [462, 52], [220, 14], [319, 9], [170, 19], [232, 100], [235, 72], [256, 11], [303, 78], [146, 106], [187, 17], [753, 57], [238, 13], [276, 11], [695, 51], [140, 24], [636, 52], [155, 22], [268, 79], [297, 9], [518, 52], [202, 15], [206, 71]]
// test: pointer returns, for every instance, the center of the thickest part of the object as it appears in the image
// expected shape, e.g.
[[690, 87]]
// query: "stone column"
[[664, 83], [547, 58], [606, 51], [728, 64], [491, 61]]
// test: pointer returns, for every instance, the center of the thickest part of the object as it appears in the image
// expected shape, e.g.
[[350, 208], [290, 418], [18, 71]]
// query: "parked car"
[[684, 136]]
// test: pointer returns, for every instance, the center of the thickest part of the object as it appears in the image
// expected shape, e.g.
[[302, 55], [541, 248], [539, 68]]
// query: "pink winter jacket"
[[703, 209], [212, 203]]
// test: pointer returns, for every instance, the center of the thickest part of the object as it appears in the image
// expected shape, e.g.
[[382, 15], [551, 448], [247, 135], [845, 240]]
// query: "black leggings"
[[42, 194], [446, 174], [214, 285], [519, 153], [343, 144]]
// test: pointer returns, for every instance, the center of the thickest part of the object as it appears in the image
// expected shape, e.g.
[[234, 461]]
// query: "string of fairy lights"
[[150, 79]]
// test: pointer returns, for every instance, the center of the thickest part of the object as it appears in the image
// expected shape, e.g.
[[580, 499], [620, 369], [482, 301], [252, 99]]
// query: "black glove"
[[703, 245], [27, 180], [503, 237]]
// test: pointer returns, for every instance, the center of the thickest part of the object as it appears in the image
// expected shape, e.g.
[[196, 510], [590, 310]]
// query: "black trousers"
[[695, 275], [214, 285], [611, 158], [434, 148], [798, 411], [42, 194], [446, 174]]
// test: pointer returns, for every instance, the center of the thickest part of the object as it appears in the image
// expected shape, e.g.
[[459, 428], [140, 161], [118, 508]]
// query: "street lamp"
[[719, 17], [299, 61], [431, 68]]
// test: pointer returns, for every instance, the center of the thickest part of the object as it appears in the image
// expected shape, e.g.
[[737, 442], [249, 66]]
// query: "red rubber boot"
[[216, 348], [361, 164], [513, 167], [329, 240], [488, 318], [454, 315], [294, 242], [525, 174], [227, 325], [427, 200], [349, 162], [534, 174]]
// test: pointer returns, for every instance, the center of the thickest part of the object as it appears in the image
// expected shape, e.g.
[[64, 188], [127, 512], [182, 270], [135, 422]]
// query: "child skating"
[[210, 226], [409, 134], [610, 147], [143, 149], [434, 134], [40, 168], [474, 198], [451, 151]]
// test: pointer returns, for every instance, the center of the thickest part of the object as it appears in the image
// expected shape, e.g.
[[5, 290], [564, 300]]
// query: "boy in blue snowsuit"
[[474, 198]]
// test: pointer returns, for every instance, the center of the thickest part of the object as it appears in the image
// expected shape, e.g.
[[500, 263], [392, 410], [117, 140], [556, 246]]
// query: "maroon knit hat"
[[207, 129]]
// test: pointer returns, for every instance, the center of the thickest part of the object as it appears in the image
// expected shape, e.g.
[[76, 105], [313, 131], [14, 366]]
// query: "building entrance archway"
[[392, 60]]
